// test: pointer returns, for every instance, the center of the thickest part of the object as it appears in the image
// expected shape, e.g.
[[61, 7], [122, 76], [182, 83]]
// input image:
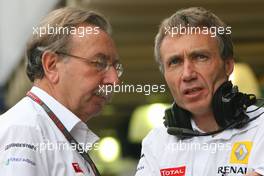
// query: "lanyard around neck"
[[64, 131]]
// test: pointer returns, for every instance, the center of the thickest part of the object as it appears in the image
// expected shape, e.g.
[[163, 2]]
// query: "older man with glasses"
[[46, 132]]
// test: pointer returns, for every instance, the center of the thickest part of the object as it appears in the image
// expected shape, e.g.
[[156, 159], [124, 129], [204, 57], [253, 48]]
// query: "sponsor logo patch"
[[18, 160], [176, 171], [77, 168], [21, 145], [231, 170], [240, 152]]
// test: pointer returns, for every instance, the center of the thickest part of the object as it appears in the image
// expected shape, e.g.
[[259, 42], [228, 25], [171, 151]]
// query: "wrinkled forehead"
[[190, 41], [182, 30]]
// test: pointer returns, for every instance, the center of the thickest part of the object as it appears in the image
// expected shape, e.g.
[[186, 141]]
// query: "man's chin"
[[98, 107], [197, 108], [93, 114], [93, 109]]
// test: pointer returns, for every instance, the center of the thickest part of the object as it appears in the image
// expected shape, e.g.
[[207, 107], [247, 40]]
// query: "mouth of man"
[[102, 94], [193, 92]]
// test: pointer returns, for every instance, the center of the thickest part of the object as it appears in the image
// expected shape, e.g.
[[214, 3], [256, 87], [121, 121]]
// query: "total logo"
[[176, 171]]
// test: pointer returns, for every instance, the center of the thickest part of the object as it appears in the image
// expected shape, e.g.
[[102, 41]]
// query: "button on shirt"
[[31, 144], [233, 152]]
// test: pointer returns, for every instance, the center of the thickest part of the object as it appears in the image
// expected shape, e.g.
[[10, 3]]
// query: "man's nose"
[[189, 72], [111, 76]]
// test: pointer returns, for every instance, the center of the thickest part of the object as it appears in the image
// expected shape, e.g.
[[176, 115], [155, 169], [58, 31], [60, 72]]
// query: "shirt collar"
[[68, 119], [226, 134], [195, 127]]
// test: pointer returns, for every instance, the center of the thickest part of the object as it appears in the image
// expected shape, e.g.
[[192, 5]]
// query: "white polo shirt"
[[229, 153], [31, 144]]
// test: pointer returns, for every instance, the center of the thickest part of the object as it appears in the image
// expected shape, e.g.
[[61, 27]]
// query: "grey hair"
[[66, 17], [194, 17]]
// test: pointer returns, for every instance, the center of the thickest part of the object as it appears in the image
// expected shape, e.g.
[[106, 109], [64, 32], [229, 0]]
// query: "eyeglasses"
[[101, 63]]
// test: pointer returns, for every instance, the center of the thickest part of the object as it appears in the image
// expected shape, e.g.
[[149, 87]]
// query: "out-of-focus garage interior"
[[130, 116]]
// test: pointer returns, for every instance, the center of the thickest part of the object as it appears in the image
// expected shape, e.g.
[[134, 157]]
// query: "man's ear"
[[229, 66], [49, 64]]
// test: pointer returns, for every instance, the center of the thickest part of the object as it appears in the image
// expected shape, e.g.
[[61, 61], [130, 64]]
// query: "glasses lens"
[[101, 64], [119, 69]]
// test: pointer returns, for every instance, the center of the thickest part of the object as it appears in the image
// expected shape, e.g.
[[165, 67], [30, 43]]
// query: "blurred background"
[[123, 124]]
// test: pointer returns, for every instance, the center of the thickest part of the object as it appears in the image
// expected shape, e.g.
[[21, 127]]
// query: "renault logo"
[[240, 152]]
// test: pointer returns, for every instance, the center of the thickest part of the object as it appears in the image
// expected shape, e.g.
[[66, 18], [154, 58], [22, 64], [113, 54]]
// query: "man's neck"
[[48, 88], [206, 122], [51, 90]]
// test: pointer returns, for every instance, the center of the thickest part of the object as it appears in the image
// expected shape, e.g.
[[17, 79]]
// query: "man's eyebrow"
[[192, 53], [172, 57], [199, 51], [101, 55], [106, 57]]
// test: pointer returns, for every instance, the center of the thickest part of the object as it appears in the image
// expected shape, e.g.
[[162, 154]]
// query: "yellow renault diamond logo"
[[240, 152]]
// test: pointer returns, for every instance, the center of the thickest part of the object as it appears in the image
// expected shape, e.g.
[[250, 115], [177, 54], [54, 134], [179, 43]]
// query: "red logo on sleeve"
[[177, 171], [77, 168]]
